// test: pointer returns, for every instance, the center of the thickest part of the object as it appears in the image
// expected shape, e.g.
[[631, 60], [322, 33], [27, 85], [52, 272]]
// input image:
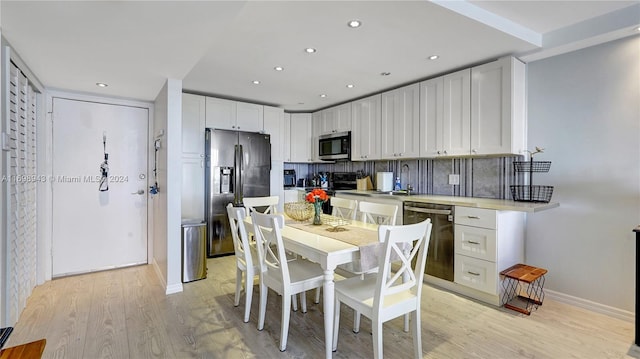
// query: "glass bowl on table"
[[298, 211], [336, 224]]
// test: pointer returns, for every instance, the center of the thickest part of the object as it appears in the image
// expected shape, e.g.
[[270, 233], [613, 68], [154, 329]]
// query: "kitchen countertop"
[[488, 203]]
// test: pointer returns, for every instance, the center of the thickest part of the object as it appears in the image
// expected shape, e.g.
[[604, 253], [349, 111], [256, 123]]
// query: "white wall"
[[167, 203], [584, 109]]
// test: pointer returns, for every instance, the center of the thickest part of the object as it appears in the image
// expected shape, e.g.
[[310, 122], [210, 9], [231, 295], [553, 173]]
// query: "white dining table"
[[329, 253]]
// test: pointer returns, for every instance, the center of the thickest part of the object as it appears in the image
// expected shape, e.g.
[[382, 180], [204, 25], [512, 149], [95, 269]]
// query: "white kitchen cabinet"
[[233, 115], [498, 120], [274, 126], [486, 242], [193, 125], [336, 119], [286, 147], [366, 125], [316, 132], [301, 137], [294, 195], [445, 115], [276, 187], [401, 123], [249, 117]]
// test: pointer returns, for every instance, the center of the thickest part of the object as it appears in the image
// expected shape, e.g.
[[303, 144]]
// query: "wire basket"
[[530, 193], [531, 166], [299, 211]]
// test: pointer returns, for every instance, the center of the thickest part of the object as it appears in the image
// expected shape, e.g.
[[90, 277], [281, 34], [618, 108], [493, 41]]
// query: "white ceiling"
[[219, 47]]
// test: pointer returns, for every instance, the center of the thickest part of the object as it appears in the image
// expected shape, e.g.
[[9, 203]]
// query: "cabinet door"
[[324, 119], [365, 134], [317, 125], [249, 117], [220, 113], [401, 122], [277, 182], [286, 148], [301, 137], [342, 118], [496, 100], [193, 123], [457, 113], [274, 126], [431, 117], [193, 188]]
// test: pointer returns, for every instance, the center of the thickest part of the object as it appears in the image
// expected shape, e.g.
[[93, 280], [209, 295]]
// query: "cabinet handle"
[[473, 217], [474, 151], [445, 152], [233, 126], [473, 273], [473, 242], [438, 152]]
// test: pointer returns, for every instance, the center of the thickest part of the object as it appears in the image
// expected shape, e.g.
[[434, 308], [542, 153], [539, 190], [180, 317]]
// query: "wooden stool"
[[523, 288], [31, 350]]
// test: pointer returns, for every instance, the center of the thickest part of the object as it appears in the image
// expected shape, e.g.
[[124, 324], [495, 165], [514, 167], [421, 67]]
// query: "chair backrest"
[[239, 234], [343, 208], [267, 230], [397, 241], [378, 213], [257, 203]]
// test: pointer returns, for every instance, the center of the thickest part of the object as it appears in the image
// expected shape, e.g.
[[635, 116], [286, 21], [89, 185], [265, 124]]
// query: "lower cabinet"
[[486, 243]]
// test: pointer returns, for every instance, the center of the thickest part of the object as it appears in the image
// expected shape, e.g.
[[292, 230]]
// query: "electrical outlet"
[[454, 179]]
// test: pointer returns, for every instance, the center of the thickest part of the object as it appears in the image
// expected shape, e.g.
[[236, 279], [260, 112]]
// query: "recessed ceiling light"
[[350, 86], [433, 57], [278, 68], [101, 84], [310, 50], [385, 73], [255, 82], [323, 95], [354, 23]]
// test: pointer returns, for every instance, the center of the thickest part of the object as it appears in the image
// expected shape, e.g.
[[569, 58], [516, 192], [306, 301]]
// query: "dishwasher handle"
[[428, 210]]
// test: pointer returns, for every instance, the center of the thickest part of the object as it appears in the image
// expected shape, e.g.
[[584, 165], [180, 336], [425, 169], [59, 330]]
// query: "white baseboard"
[[589, 305], [174, 288]]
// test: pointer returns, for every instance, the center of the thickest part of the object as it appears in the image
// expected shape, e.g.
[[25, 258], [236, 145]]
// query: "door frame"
[[45, 168]]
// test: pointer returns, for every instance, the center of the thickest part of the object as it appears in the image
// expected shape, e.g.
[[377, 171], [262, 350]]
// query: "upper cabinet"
[[477, 111], [234, 115], [445, 115], [274, 126], [286, 147], [335, 119], [301, 136], [401, 123], [365, 133], [193, 123], [498, 121]]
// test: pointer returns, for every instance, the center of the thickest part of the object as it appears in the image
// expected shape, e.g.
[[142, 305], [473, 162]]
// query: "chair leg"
[[303, 301], [263, 305], [376, 332], [238, 286], [356, 321], [317, 300], [406, 323], [248, 293], [294, 302], [336, 324], [284, 330], [417, 334]]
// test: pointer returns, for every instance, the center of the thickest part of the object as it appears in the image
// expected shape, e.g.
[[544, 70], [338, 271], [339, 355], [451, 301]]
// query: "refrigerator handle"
[[238, 163]]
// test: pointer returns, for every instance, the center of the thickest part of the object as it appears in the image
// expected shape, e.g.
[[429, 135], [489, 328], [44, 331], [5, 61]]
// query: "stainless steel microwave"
[[335, 146]]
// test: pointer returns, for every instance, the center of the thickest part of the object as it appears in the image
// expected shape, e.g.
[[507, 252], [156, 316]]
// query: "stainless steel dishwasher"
[[440, 255]]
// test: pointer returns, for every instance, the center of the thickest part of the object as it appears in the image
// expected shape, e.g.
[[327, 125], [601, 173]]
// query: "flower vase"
[[317, 206]]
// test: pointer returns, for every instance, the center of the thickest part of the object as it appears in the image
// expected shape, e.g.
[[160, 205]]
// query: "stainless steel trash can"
[[194, 250]]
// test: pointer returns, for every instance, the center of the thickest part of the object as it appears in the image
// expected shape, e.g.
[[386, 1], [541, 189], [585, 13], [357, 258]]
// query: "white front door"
[[92, 229]]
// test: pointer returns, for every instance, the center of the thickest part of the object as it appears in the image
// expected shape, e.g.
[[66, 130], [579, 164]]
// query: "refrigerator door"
[[256, 164], [219, 189]]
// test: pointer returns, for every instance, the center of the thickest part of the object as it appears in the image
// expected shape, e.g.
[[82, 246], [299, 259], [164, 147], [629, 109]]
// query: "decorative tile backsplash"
[[487, 177]]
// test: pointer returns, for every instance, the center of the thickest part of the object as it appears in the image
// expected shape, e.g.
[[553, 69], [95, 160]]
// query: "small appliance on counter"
[[384, 181], [303, 182], [289, 178]]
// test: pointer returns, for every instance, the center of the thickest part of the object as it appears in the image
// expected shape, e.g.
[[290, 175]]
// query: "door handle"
[[140, 192]]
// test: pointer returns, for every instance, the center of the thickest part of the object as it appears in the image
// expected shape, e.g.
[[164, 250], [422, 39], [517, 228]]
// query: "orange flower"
[[320, 194]]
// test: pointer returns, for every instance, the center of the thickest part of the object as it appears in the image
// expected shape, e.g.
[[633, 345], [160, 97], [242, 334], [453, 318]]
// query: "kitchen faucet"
[[408, 186]]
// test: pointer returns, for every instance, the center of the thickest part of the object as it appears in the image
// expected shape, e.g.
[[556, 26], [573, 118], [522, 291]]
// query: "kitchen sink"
[[394, 193]]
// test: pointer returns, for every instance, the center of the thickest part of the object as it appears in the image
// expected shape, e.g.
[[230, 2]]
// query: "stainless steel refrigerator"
[[238, 165]]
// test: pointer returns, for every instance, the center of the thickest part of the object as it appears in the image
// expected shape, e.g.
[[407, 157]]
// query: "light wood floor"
[[125, 314]]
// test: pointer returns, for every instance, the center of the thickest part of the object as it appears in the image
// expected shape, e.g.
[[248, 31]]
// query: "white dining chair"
[[378, 213], [269, 204], [246, 257], [286, 278], [388, 295], [343, 208]]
